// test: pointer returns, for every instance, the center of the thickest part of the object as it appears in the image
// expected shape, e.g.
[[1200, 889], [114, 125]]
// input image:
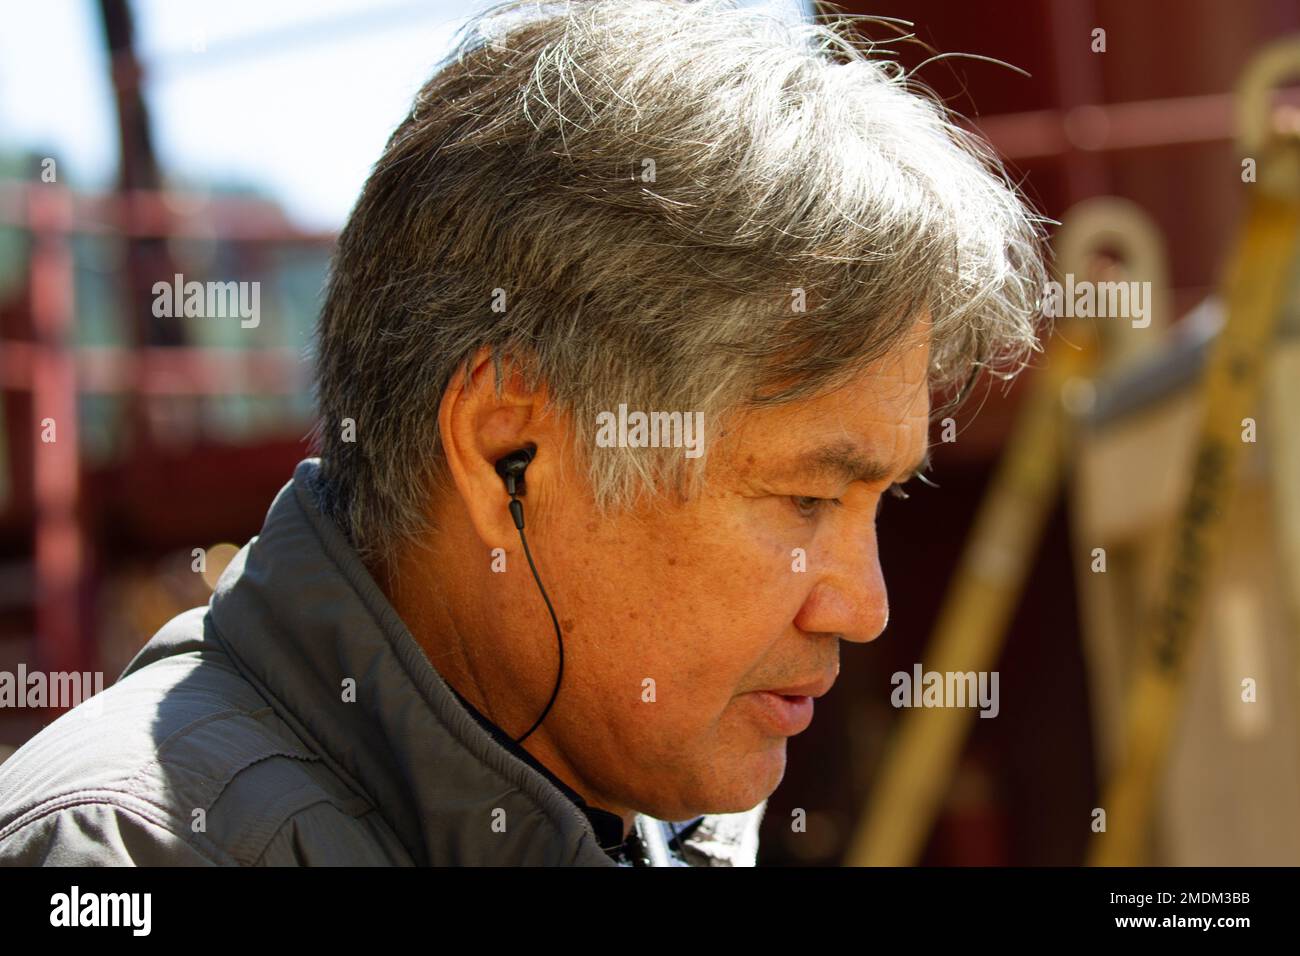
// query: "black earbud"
[[511, 468]]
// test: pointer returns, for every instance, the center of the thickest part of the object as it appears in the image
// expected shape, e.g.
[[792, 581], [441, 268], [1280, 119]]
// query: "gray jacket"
[[236, 737]]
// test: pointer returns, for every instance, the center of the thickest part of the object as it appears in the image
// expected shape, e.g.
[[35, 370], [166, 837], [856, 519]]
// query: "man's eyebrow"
[[844, 460]]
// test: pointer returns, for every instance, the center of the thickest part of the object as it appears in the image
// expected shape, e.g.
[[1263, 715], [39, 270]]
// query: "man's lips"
[[787, 715], [789, 710]]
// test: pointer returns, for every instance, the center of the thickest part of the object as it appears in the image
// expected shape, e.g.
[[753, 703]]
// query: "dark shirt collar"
[[607, 826]]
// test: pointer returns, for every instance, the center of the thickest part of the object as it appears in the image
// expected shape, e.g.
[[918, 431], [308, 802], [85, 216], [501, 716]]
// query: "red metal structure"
[[65, 526]]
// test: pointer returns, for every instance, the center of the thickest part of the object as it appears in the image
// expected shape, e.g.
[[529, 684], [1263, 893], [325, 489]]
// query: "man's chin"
[[746, 783]]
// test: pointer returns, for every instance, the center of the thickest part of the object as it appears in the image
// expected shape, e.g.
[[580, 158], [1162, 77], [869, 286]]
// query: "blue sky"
[[295, 97]]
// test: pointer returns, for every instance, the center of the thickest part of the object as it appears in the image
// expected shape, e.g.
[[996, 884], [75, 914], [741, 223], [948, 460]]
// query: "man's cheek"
[[685, 690], [782, 562], [765, 592]]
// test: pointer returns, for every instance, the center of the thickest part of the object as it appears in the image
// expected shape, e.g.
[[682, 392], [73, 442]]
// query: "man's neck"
[[424, 610]]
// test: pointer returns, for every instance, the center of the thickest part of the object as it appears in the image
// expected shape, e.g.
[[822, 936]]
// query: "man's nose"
[[849, 597]]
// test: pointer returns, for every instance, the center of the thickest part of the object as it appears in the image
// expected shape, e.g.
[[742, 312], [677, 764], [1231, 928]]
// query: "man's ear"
[[478, 427]]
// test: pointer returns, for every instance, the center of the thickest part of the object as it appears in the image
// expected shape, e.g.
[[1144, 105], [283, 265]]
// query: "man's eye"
[[809, 507]]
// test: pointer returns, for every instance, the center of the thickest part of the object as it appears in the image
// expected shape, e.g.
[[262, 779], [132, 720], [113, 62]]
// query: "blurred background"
[[143, 139]]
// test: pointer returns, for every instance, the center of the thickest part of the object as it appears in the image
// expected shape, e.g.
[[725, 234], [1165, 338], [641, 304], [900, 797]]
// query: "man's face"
[[678, 616]]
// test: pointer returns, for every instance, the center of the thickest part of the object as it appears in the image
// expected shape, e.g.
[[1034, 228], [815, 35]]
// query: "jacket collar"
[[306, 623]]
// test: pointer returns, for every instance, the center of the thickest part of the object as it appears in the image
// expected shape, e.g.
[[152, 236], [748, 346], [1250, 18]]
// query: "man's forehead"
[[877, 401], [872, 427]]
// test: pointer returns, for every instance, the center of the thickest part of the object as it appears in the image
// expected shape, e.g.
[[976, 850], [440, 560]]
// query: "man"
[[633, 327]]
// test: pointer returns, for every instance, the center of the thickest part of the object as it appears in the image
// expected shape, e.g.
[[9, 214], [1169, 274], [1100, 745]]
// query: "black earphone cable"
[[559, 638], [511, 470]]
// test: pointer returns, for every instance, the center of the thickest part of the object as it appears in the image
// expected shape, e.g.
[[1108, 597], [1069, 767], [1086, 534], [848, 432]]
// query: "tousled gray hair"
[[649, 183]]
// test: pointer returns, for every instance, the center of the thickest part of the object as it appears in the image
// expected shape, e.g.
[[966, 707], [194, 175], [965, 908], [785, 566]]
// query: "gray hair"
[[651, 186]]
